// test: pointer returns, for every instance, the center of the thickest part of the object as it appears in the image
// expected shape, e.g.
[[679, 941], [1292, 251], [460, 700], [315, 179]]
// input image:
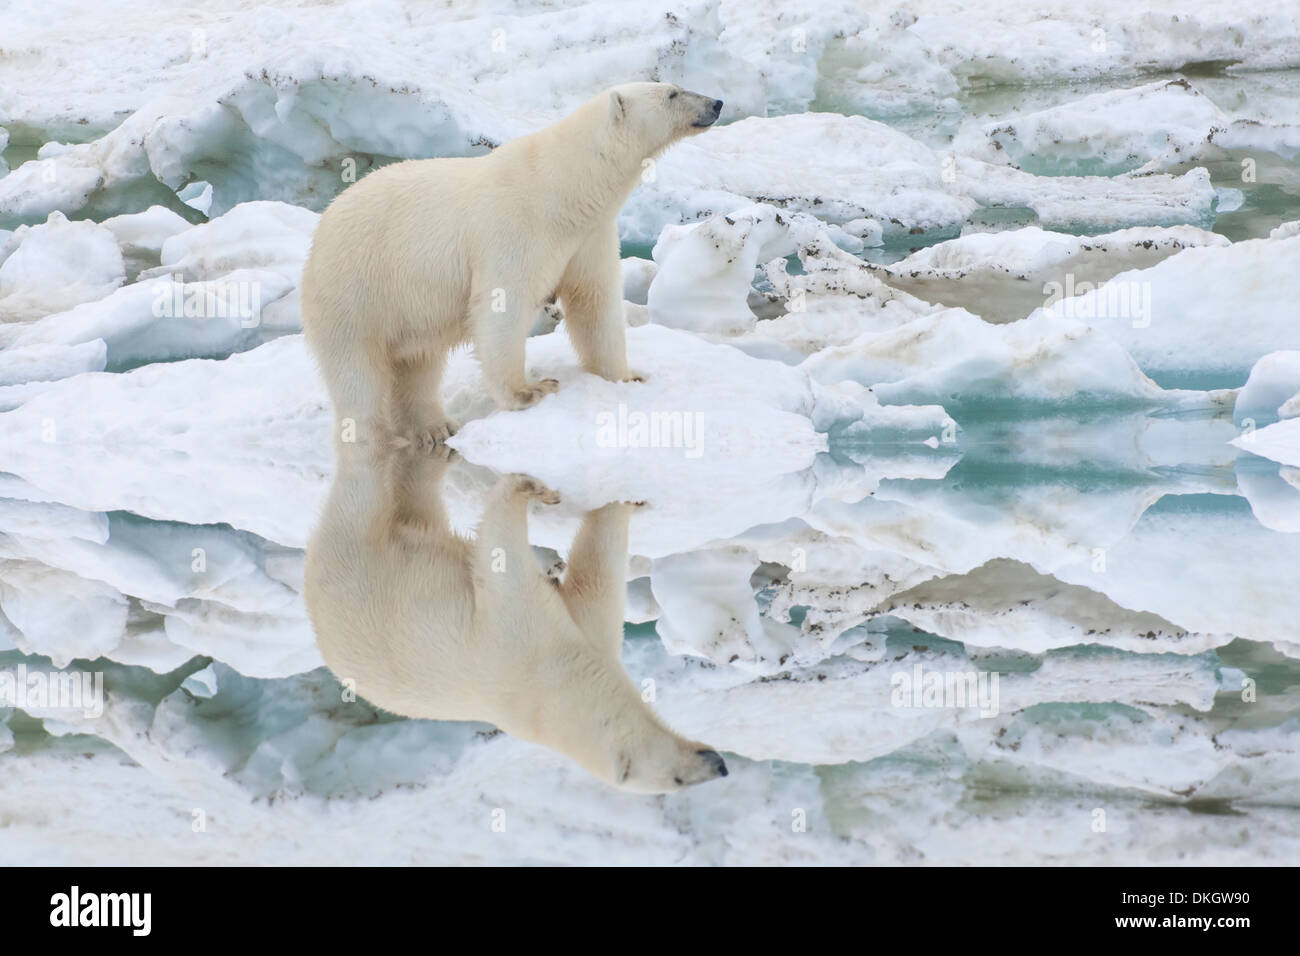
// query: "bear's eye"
[[672, 95]]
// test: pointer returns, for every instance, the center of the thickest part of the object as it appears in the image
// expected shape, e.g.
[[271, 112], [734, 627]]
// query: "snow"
[[181, 459], [984, 354], [267, 103], [705, 270], [1026, 252], [254, 235], [1272, 389], [638, 273], [1220, 586], [199, 290], [971, 271], [20, 364], [1095, 203], [863, 169], [1041, 359], [141, 235], [1157, 126], [168, 466], [1279, 442], [902, 56], [1273, 492], [1116, 131], [162, 320], [55, 266], [910, 354], [1212, 309]]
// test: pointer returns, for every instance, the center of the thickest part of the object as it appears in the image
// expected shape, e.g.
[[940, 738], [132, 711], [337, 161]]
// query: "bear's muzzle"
[[710, 114]]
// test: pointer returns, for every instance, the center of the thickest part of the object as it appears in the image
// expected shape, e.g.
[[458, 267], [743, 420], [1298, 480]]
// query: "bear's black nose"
[[713, 758], [717, 106]]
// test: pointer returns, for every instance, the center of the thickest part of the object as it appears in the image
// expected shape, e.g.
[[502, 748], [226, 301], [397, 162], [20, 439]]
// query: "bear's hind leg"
[[500, 339], [595, 583], [358, 387], [504, 564], [414, 515], [417, 413]]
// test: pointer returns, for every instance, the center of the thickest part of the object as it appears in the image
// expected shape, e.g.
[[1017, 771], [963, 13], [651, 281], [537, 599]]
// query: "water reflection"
[[426, 623], [1128, 579]]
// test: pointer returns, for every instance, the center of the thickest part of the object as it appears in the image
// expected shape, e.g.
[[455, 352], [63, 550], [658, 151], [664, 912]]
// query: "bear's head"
[[615, 736], [584, 706], [653, 116], [663, 762]]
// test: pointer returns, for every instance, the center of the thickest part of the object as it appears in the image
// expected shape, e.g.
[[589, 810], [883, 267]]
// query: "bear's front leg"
[[501, 318], [592, 293], [595, 582]]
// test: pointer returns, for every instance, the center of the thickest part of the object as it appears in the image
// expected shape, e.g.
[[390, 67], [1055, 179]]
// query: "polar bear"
[[425, 255], [430, 624]]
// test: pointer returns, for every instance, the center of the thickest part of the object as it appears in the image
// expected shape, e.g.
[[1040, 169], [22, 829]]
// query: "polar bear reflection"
[[430, 624]]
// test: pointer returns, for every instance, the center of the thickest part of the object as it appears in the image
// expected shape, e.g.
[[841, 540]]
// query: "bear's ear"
[[617, 108]]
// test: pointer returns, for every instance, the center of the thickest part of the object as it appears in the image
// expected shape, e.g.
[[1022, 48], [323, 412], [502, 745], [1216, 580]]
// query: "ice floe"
[[1271, 392], [972, 271], [908, 410], [864, 169], [55, 266], [1105, 133], [199, 290], [1212, 310]]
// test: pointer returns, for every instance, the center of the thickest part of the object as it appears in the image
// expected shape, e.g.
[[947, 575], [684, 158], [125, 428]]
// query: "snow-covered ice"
[[55, 266], [1213, 309], [971, 347]]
